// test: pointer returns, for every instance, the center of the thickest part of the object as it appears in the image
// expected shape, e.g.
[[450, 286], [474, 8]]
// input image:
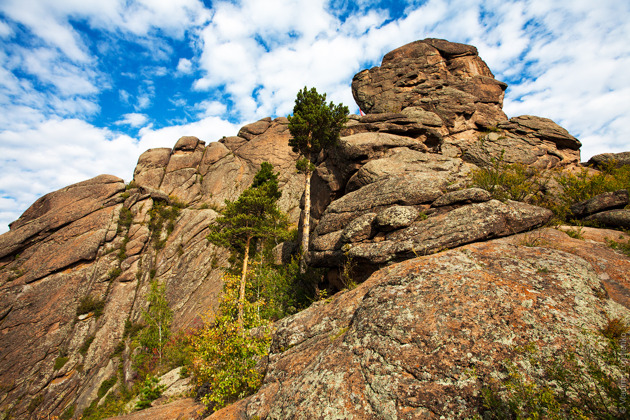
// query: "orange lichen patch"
[[64, 378], [54, 327]]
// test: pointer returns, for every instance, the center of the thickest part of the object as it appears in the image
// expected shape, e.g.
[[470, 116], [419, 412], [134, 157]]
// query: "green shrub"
[[90, 304], [585, 185], [575, 233], [619, 245], [106, 385], [125, 219], [510, 181], [131, 328], [114, 273], [86, 345], [60, 362], [151, 390]]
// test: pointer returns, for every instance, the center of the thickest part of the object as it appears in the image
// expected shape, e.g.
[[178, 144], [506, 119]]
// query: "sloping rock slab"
[[472, 223], [413, 188], [420, 339], [600, 161], [60, 208], [186, 409]]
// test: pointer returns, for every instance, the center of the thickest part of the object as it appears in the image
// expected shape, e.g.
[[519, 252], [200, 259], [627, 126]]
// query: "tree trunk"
[[241, 293], [306, 227]]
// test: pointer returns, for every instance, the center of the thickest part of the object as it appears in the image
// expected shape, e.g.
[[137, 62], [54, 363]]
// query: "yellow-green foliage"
[[513, 181], [225, 357], [518, 182]]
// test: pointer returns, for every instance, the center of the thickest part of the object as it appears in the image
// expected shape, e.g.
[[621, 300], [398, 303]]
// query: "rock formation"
[[451, 283]]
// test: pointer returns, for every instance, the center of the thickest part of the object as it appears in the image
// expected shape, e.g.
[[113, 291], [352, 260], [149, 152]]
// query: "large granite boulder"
[[437, 79]]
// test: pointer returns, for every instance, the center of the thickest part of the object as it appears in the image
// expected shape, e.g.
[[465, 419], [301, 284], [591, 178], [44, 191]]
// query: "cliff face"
[[395, 191]]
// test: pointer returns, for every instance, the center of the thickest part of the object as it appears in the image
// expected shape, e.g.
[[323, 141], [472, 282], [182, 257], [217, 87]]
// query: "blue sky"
[[87, 85]]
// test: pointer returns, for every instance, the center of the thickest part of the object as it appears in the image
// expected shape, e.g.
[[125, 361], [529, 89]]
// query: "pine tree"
[[314, 126], [252, 216]]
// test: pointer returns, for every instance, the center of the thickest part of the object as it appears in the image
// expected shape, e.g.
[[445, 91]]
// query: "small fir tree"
[[252, 216], [314, 126]]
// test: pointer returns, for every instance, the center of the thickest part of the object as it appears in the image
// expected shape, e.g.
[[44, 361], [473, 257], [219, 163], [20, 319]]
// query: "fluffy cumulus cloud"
[[86, 86]]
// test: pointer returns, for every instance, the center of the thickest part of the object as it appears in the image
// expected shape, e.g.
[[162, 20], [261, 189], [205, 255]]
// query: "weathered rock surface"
[[614, 218], [528, 140], [184, 409], [405, 343], [395, 188], [98, 238]]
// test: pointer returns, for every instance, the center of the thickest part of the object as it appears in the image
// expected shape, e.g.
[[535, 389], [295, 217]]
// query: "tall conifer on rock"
[[314, 126], [252, 216]]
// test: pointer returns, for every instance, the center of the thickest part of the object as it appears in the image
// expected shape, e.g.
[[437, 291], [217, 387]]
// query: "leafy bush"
[[160, 215], [224, 356], [510, 181], [587, 184], [521, 183], [125, 218]]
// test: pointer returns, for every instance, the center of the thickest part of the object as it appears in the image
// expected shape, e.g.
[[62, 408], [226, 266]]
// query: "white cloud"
[[5, 30], [133, 119], [208, 129], [566, 60], [184, 66]]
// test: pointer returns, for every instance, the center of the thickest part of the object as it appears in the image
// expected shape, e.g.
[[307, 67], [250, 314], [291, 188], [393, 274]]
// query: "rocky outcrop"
[[607, 209], [394, 192], [433, 80], [601, 160], [528, 140], [419, 339]]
